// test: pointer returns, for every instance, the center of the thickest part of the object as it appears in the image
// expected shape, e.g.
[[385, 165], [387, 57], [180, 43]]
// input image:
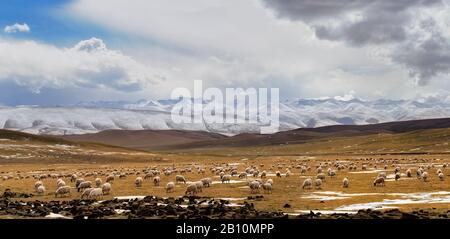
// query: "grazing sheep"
[[96, 193], [78, 181], [331, 173], [397, 176], [307, 183], [278, 174], [288, 173], [441, 176], [138, 182], [408, 173], [62, 191], [226, 178], [379, 181], [319, 170], [318, 183], [60, 183], [263, 174], [84, 185], [86, 193], [269, 181], [106, 188], [180, 178], [73, 177], [254, 186], [267, 187], [98, 182], [156, 181], [425, 176], [242, 175], [199, 185], [170, 187], [206, 182], [321, 176], [345, 183], [110, 179], [37, 184], [40, 190], [191, 189]]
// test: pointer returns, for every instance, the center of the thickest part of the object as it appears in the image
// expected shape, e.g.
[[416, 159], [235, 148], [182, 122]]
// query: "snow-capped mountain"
[[91, 117]]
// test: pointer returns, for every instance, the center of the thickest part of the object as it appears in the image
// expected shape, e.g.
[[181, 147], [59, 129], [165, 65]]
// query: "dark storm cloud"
[[376, 22]]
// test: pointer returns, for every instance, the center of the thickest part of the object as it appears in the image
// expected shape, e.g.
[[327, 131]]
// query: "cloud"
[[17, 28], [413, 32], [89, 64]]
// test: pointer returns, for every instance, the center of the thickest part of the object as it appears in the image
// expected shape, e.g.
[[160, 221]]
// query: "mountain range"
[[93, 117]]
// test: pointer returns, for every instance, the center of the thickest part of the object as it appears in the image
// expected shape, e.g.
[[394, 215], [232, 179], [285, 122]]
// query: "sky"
[[67, 51]]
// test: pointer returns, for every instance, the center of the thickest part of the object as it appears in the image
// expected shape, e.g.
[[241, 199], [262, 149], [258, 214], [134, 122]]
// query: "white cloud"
[[239, 43], [89, 64], [17, 28]]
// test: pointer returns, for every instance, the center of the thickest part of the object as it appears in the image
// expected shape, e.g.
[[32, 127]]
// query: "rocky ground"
[[192, 207]]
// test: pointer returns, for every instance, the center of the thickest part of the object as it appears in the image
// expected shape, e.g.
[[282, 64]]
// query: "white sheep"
[[110, 178], [180, 178], [86, 193], [321, 176], [40, 190], [425, 176], [199, 185], [96, 193], [269, 181], [98, 182], [307, 183], [84, 185], [156, 180], [62, 191], [397, 176], [106, 188], [318, 183], [206, 182], [441, 176], [37, 184], [278, 174], [170, 187], [254, 186], [345, 183], [267, 187], [408, 173], [191, 189], [60, 183], [138, 182], [226, 178]]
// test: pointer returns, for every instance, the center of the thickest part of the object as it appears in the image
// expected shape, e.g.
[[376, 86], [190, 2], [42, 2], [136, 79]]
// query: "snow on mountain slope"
[[91, 117]]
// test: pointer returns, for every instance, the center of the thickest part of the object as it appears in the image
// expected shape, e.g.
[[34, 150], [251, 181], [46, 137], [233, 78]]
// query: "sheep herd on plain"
[[257, 177]]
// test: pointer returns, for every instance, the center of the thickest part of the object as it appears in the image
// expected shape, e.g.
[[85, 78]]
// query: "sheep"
[[267, 187], [191, 189], [180, 178], [345, 183], [78, 181], [86, 193], [60, 183], [98, 182], [408, 173], [382, 175], [254, 186], [106, 188], [307, 183], [110, 179], [321, 176], [206, 182], [425, 176], [397, 176], [62, 191], [138, 182], [170, 186], [319, 170], [288, 173], [226, 178], [96, 193], [73, 177], [318, 183], [199, 185], [269, 181], [242, 175], [40, 190], [441, 176], [156, 180], [37, 184], [278, 174], [331, 173], [83, 185], [379, 181], [263, 174]]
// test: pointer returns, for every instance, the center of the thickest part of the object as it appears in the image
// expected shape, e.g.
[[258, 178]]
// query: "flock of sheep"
[[256, 178]]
